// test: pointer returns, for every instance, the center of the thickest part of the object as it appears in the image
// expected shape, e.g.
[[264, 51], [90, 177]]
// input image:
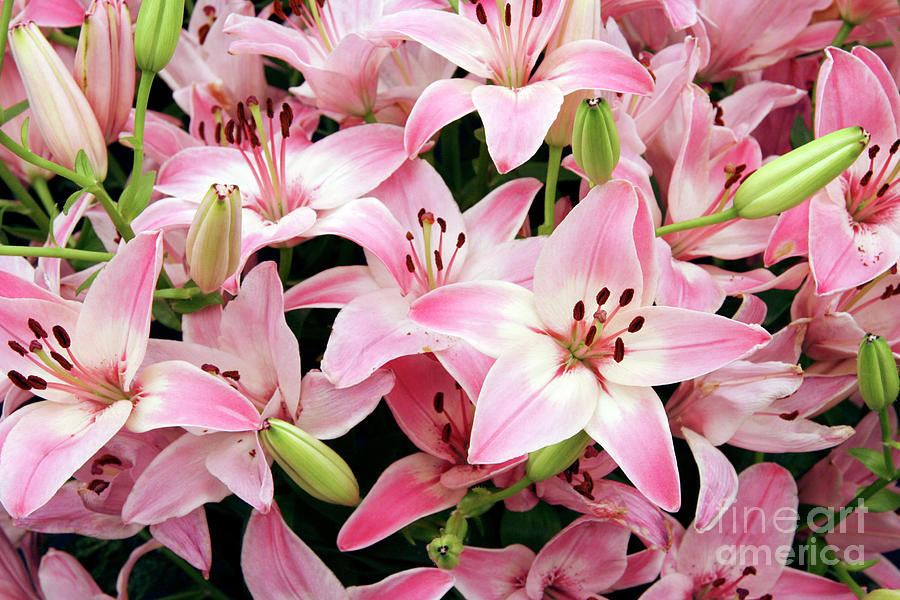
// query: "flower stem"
[[67, 253], [478, 507], [34, 210], [13, 111], [177, 293], [844, 576], [713, 219], [886, 439], [40, 186], [140, 114], [553, 162], [369, 117], [284, 265], [843, 32], [5, 16]]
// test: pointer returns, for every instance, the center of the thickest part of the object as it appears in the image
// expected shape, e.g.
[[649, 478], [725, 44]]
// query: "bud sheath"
[[213, 247], [156, 33], [545, 463], [595, 141], [876, 368]]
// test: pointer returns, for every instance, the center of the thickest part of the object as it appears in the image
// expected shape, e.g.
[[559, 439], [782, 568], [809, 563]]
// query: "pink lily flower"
[[851, 229], [570, 353], [94, 380], [373, 326], [744, 556], [436, 414], [519, 108], [862, 11], [584, 560], [277, 564]]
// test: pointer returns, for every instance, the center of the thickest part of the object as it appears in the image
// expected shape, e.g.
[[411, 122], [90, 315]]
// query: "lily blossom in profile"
[[570, 353]]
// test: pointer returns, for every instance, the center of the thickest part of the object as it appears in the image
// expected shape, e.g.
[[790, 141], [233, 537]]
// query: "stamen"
[[882, 190], [35, 346], [719, 582], [439, 402], [636, 324], [36, 329], [97, 486], [873, 151], [231, 375], [270, 110], [751, 570], [17, 348], [279, 10], [211, 369], [578, 311], [442, 224], [626, 297], [19, 380], [438, 262], [894, 147], [229, 131], [507, 15], [445, 433], [409, 264], [62, 336], [37, 383], [619, 350], [602, 297], [589, 338], [888, 291], [536, 7], [219, 132], [201, 131], [480, 15], [742, 593], [789, 417], [864, 181], [61, 360], [460, 240]]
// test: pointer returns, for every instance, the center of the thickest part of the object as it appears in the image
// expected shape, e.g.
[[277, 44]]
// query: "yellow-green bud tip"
[[445, 551], [156, 33], [595, 141], [545, 463], [879, 382]]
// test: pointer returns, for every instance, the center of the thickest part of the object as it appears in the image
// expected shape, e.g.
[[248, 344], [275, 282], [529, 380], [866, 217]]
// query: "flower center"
[[723, 589], [595, 339], [872, 197], [430, 271], [509, 34]]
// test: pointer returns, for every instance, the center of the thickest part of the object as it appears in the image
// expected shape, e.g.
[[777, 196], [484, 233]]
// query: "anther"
[[636, 324], [719, 582], [789, 416], [438, 262], [35, 346], [201, 130], [97, 486], [62, 336], [445, 433], [296, 7], [742, 593], [287, 110], [895, 146], [733, 179], [409, 236], [19, 380], [602, 297], [578, 311], [36, 329], [202, 33], [766, 597], [219, 132], [17, 348], [231, 375], [241, 115], [439, 402], [536, 7], [61, 360], [229, 131], [253, 137], [888, 291], [37, 383], [619, 350], [460, 240], [285, 124], [718, 119], [507, 15], [751, 570], [626, 297], [279, 10], [409, 264], [864, 180], [270, 110], [873, 151], [442, 224], [479, 14], [882, 190], [589, 338], [212, 369]]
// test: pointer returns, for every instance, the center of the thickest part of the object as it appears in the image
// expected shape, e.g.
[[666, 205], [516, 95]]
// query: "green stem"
[[112, 210], [40, 186], [499, 495], [369, 117], [886, 439], [553, 162], [481, 171], [13, 111], [34, 210], [286, 256], [842, 34], [5, 16], [450, 153], [759, 457], [67, 253], [61, 38], [177, 293], [713, 219], [140, 113], [844, 577]]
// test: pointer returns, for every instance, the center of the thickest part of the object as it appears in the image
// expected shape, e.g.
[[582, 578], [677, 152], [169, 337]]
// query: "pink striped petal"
[[630, 423], [408, 490], [277, 564], [15, 582], [493, 574], [62, 577], [331, 288], [516, 120], [414, 584], [43, 444], [175, 393], [238, 461], [188, 537], [718, 481], [771, 433], [497, 217], [190, 173], [327, 412], [592, 64], [795, 584], [673, 586], [260, 36], [531, 399], [442, 102]]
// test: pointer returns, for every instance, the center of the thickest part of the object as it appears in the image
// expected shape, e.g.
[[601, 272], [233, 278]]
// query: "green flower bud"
[[156, 33], [792, 178], [545, 463], [213, 247], [876, 368], [595, 142], [444, 551], [311, 464], [473, 503], [883, 595]]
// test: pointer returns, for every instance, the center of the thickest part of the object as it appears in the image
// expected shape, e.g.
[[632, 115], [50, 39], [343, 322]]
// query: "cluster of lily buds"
[[714, 280]]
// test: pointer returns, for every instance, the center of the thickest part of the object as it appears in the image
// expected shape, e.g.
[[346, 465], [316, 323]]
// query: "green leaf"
[[815, 562], [533, 528], [872, 459], [800, 133], [87, 282], [883, 501], [23, 133], [163, 313], [197, 303], [136, 196], [71, 200], [83, 166], [860, 566]]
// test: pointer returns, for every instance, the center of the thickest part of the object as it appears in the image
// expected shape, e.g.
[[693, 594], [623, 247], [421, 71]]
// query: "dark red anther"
[[895, 146], [17, 348], [888, 291], [602, 296], [409, 236], [62, 336], [438, 261], [619, 350], [442, 224], [789, 416], [460, 240], [279, 10], [479, 14], [211, 369], [718, 119], [636, 324], [626, 297], [37, 382], [536, 7], [18, 380], [241, 115], [229, 131], [36, 329], [733, 179], [751, 570], [420, 214], [201, 130], [766, 597], [507, 15], [578, 311], [591, 451], [61, 360], [35, 346], [108, 459], [589, 338], [253, 137], [864, 180], [231, 375], [893, 269], [97, 486], [742, 593], [439, 402], [873, 151], [882, 190], [296, 7], [719, 582], [445, 432], [321, 3], [219, 132], [270, 109], [285, 121], [740, 168], [409, 264]]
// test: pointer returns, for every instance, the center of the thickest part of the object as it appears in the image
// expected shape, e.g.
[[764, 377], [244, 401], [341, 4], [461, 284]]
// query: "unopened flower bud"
[[595, 142], [445, 550], [792, 178], [59, 109], [156, 33], [310, 463], [548, 461], [883, 594], [879, 382], [213, 247], [104, 64]]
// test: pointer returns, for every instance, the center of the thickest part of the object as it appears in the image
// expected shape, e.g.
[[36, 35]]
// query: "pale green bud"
[[595, 141], [545, 463], [879, 382], [156, 33], [883, 595], [792, 178], [312, 465], [445, 550], [213, 247]]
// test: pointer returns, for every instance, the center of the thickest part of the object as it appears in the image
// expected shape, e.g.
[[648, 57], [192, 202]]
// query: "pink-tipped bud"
[[59, 109], [104, 64], [560, 132], [213, 247]]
